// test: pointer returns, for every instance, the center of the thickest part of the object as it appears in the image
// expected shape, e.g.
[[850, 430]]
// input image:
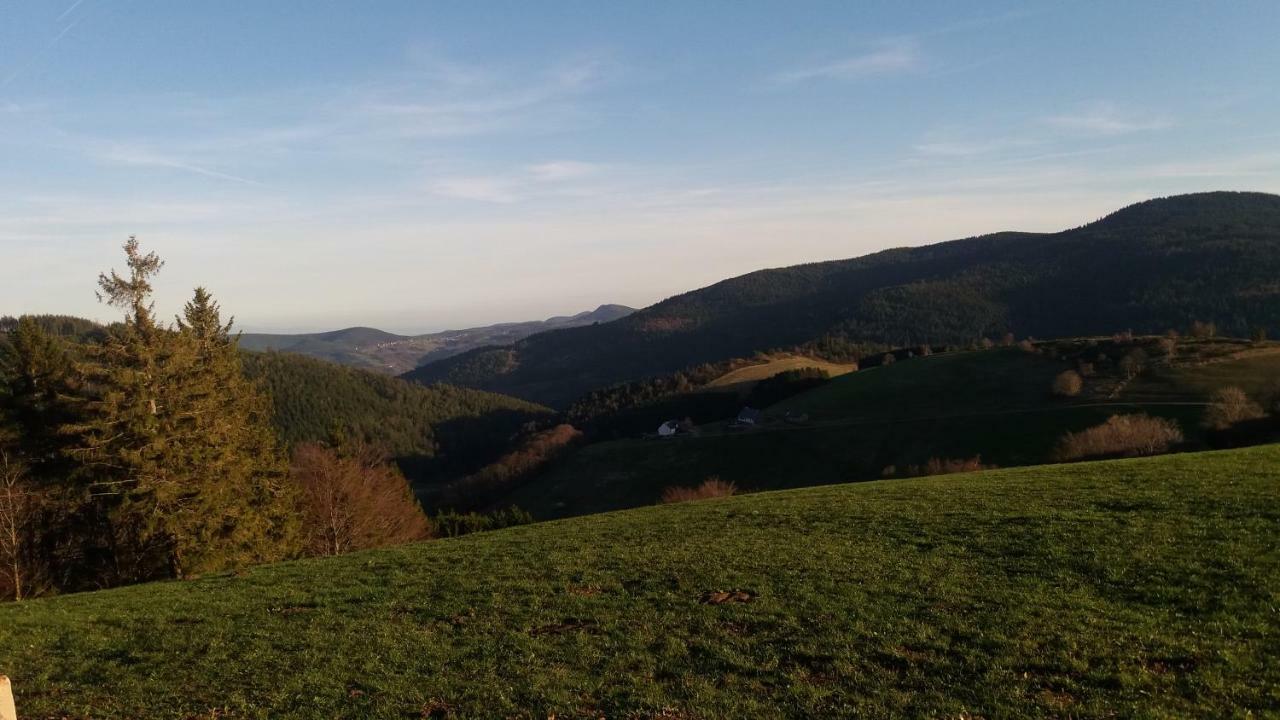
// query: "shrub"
[[1168, 346], [450, 523], [1203, 329], [712, 487], [1133, 363], [1068, 384], [938, 466], [1259, 335], [1120, 436], [1229, 406], [887, 359]]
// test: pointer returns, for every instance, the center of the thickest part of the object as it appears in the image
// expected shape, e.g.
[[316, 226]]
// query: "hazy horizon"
[[418, 168]]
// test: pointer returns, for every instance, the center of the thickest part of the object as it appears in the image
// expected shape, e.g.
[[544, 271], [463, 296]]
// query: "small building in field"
[[749, 416]]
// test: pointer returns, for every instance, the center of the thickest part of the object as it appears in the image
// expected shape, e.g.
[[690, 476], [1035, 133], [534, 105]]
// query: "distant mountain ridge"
[[1155, 265], [373, 349]]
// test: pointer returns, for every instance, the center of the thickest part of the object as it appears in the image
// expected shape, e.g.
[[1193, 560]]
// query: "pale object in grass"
[[7, 710]]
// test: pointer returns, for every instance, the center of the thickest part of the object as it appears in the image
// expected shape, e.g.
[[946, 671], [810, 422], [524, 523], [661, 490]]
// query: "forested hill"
[[1156, 265], [444, 427]]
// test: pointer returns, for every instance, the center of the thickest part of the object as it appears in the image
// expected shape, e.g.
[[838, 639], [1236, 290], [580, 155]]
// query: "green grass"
[[950, 383], [994, 404], [631, 473], [1142, 588], [1257, 372]]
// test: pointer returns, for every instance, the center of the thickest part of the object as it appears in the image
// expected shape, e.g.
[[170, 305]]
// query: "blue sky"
[[419, 165]]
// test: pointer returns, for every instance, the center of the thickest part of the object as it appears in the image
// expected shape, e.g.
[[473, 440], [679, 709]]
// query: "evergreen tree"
[[35, 370], [173, 445], [247, 510]]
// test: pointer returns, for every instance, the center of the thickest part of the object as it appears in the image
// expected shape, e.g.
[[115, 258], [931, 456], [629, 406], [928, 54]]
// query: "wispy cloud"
[[145, 158], [562, 170], [1105, 120], [889, 57], [555, 177], [483, 189]]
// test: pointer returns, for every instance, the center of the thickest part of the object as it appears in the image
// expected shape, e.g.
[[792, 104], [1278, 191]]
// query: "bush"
[[450, 523], [1133, 363], [1203, 330], [938, 466], [1068, 384], [712, 487], [1120, 436], [1229, 406]]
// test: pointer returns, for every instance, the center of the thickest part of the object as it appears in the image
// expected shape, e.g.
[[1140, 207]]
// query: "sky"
[[417, 166]]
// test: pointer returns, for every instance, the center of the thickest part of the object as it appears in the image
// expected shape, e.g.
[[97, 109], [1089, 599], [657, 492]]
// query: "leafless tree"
[[354, 500], [17, 520]]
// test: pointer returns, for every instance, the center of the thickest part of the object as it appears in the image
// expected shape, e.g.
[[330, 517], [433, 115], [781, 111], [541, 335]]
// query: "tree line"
[[146, 453]]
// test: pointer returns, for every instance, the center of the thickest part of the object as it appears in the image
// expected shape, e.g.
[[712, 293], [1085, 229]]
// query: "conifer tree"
[[173, 444], [247, 511], [35, 370]]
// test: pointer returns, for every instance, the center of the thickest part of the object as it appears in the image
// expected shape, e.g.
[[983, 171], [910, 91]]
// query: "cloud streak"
[[1105, 120], [144, 158], [890, 57]]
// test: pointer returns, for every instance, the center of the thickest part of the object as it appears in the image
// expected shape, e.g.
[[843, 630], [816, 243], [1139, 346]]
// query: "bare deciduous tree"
[[17, 516], [354, 501]]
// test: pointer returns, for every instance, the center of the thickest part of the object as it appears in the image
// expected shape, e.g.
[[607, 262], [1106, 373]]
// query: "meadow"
[[1132, 588]]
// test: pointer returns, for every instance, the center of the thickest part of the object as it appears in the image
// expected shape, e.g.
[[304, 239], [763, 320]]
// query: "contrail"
[[69, 10], [47, 49]]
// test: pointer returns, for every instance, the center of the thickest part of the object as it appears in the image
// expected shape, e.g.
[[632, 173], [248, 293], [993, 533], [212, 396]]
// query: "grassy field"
[[994, 404], [745, 377], [631, 473], [946, 384], [1141, 588]]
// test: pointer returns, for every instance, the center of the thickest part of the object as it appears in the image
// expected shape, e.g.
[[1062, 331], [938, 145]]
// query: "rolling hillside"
[[374, 349], [995, 404], [1153, 266], [1138, 588], [430, 430]]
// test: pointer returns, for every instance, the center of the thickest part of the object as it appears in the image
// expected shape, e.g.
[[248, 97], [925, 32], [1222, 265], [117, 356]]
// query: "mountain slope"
[[1149, 267], [1140, 588], [430, 430], [374, 349]]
